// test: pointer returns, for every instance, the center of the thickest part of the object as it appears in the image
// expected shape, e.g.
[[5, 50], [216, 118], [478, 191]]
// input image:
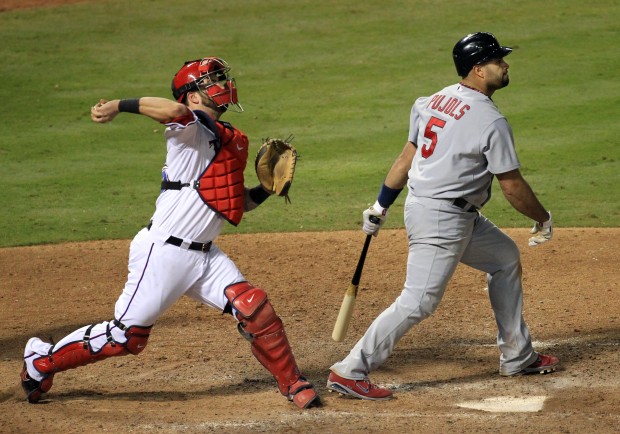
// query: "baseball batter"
[[202, 188], [458, 142]]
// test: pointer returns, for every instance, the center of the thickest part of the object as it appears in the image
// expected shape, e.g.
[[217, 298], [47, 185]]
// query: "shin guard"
[[80, 353], [259, 323]]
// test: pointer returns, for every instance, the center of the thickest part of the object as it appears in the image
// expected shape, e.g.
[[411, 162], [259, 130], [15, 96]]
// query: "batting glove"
[[374, 217], [543, 232]]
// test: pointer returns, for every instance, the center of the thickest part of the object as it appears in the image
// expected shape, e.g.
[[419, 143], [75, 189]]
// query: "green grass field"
[[339, 76]]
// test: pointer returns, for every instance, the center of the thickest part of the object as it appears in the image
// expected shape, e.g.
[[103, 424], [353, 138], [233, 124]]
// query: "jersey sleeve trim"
[[183, 121], [506, 169]]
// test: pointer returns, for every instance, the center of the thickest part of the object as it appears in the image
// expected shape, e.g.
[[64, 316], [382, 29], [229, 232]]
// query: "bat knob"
[[374, 219]]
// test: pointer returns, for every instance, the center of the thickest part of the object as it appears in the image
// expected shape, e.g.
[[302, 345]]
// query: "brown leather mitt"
[[275, 166]]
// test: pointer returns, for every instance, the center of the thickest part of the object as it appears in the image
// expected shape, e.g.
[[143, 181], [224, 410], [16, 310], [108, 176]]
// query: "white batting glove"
[[374, 217], [543, 232]]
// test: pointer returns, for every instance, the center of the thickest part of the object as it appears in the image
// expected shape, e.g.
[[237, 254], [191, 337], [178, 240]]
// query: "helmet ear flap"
[[179, 93], [185, 79]]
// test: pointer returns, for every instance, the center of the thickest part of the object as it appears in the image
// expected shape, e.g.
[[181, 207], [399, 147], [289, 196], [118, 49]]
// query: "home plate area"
[[506, 404]]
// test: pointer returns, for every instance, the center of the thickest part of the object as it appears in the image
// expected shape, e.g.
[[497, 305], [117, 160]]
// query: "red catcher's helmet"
[[208, 75]]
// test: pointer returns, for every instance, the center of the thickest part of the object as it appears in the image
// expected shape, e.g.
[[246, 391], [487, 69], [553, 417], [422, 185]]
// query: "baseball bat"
[[350, 296]]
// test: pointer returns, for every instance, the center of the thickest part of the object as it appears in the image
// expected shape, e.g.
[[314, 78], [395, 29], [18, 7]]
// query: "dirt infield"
[[197, 374]]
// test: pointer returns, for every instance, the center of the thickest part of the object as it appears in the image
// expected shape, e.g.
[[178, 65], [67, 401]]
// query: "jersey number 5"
[[427, 150]]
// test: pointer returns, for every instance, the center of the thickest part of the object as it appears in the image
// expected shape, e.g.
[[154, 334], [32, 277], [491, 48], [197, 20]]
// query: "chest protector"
[[221, 184]]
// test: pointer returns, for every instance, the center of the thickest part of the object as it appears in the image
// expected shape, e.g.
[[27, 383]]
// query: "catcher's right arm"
[[275, 166]]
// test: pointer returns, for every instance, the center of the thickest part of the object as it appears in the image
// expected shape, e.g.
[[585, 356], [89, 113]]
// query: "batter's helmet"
[[208, 75], [476, 48]]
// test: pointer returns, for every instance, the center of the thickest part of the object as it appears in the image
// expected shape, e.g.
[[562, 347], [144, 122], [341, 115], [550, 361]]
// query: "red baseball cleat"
[[542, 365], [362, 389]]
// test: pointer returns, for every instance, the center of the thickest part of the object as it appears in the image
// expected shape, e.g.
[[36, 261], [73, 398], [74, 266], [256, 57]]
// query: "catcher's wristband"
[[129, 105], [388, 195], [258, 195]]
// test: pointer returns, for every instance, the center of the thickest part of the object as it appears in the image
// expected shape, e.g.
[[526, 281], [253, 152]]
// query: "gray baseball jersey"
[[462, 141], [476, 142]]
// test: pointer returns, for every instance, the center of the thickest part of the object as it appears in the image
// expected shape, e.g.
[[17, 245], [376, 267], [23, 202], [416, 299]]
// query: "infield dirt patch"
[[198, 375]]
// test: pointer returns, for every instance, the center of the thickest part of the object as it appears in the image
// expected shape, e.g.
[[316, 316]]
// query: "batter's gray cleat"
[[361, 389], [542, 365], [33, 388]]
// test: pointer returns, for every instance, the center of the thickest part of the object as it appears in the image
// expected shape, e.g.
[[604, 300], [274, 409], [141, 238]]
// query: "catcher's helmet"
[[210, 76], [476, 48]]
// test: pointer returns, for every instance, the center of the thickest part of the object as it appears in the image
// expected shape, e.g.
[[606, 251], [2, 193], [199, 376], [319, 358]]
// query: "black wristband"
[[129, 105], [258, 195]]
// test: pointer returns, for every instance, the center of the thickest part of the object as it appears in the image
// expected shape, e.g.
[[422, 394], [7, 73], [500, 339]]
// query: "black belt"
[[201, 247], [464, 205]]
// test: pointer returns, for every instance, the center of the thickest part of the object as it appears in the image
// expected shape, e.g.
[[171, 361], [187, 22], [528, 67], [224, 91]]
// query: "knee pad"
[[255, 313], [137, 337]]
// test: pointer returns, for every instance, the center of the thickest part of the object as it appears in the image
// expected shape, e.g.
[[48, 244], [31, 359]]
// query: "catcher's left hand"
[[275, 166]]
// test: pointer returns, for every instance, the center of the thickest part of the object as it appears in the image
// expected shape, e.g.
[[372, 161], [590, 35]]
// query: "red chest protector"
[[221, 185]]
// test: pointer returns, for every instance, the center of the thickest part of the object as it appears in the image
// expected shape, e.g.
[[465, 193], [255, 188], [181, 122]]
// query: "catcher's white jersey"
[[462, 141], [181, 212]]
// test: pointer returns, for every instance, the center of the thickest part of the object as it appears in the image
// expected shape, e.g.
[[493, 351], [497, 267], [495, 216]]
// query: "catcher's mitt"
[[275, 166]]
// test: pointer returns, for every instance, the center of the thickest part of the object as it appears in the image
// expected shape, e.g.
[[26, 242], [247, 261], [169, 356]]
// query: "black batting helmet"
[[476, 48]]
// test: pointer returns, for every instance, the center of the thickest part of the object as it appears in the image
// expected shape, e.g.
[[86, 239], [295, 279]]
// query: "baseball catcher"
[[176, 254], [275, 166]]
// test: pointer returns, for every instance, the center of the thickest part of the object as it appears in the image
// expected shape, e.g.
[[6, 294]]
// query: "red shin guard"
[[78, 354], [260, 324]]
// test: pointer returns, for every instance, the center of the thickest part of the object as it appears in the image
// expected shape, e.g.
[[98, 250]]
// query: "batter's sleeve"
[[498, 147], [414, 121]]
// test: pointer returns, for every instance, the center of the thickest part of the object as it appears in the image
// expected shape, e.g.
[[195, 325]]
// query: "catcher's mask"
[[208, 76]]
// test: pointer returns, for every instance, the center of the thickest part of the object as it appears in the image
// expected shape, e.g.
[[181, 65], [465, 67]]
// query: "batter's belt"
[[464, 205]]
